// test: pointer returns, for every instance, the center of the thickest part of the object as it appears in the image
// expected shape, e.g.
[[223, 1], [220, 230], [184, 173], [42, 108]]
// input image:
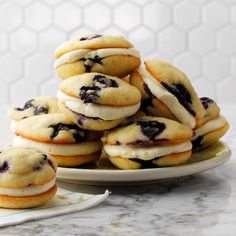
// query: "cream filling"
[[77, 149], [27, 191], [13, 125], [209, 126], [103, 112], [145, 153], [86, 53], [168, 99]]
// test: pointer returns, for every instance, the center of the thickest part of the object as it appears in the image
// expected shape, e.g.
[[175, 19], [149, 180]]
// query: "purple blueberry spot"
[[88, 65], [90, 94], [145, 164], [77, 133], [148, 91], [148, 143], [182, 94], [151, 128], [81, 120], [37, 167], [37, 109], [147, 102], [40, 110], [27, 105], [89, 62], [42, 162], [108, 83], [96, 59], [4, 167], [197, 143], [51, 164], [90, 37], [206, 101]]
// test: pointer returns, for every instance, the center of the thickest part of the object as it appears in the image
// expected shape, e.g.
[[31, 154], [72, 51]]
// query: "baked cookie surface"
[[92, 41], [148, 131], [100, 89], [33, 107], [53, 128]]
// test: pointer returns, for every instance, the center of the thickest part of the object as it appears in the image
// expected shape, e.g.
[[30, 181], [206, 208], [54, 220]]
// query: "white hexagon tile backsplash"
[[199, 36]]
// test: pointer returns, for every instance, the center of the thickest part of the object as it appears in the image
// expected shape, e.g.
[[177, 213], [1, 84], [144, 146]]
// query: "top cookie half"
[[167, 92]]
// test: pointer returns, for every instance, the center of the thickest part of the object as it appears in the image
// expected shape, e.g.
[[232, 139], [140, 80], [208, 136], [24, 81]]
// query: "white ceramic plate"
[[106, 174]]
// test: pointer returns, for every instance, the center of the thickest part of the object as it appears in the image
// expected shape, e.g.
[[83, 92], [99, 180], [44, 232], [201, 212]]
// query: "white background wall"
[[199, 36]]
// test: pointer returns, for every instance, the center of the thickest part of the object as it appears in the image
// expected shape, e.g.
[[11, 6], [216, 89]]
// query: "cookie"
[[56, 135], [167, 92], [211, 127], [108, 54], [211, 108], [96, 101], [27, 178], [33, 107], [148, 142]]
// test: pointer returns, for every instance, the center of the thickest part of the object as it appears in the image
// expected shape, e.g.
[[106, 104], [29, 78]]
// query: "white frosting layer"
[[27, 191], [104, 112], [86, 53], [77, 149], [13, 125], [167, 98], [209, 126], [145, 153]]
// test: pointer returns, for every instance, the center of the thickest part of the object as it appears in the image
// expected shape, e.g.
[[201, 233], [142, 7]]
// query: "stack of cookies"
[[167, 92], [139, 115]]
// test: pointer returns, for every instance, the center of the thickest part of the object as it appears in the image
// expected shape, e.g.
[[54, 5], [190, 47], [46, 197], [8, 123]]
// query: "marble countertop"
[[203, 204]]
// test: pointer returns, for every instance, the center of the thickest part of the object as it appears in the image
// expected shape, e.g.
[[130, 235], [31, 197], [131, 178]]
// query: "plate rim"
[[223, 157]]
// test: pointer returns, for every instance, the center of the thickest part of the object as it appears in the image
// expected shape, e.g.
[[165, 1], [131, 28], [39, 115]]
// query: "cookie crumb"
[[81, 199], [62, 197]]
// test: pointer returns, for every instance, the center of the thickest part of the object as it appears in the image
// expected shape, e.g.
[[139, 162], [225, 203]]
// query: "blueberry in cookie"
[[33, 107]]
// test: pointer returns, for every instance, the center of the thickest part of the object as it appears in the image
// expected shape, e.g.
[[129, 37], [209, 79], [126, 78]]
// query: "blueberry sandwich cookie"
[[167, 92], [56, 135], [33, 107], [211, 128], [108, 54], [148, 142], [27, 178], [96, 101]]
